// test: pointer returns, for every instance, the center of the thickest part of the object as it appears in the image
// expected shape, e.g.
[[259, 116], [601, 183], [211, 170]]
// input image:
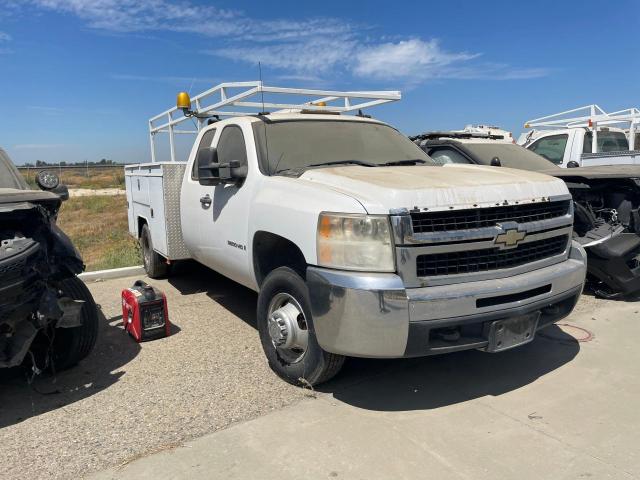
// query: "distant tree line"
[[41, 163]]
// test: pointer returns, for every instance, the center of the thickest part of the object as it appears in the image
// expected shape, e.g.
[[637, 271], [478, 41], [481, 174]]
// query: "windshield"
[[9, 175], [298, 144], [510, 155]]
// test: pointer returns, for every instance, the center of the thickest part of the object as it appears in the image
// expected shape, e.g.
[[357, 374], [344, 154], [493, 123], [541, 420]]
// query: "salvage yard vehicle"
[[47, 316], [585, 136], [357, 243], [606, 199]]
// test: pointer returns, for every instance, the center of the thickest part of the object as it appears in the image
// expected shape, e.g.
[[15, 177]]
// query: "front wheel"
[[287, 334]]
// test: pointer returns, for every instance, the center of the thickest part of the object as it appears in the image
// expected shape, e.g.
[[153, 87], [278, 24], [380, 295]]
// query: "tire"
[[70, 345], [314, 366], [154, 264]]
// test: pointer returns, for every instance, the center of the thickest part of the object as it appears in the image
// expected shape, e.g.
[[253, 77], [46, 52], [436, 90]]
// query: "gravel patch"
[[127, 400]]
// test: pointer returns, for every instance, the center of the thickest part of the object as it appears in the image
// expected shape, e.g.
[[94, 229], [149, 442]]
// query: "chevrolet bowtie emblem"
[[510, 238]]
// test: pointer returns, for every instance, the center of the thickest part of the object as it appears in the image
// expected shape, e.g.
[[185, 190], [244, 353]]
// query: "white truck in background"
[[357, 243], [585, 136]]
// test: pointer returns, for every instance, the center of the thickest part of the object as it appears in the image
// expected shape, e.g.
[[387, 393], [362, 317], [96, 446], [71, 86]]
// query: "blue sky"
[[80, 78]]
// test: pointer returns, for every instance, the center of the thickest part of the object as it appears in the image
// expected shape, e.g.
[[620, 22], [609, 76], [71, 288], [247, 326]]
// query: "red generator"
[[144, 312]]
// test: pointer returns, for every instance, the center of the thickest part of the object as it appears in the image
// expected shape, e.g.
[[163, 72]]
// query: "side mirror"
[[207, 173], [212, 172], [495, 162], [573, 164]]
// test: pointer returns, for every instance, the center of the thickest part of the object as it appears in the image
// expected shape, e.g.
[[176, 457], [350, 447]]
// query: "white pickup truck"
[[357, 242], [584, 137]]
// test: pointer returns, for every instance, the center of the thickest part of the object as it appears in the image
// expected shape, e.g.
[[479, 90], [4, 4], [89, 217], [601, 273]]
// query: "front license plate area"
[[512, 332]]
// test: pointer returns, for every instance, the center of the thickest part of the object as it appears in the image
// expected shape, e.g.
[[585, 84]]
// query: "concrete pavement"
[[556, 408]]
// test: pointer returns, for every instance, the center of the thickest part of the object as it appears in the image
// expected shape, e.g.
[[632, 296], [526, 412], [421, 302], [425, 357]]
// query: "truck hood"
[[381, 189]]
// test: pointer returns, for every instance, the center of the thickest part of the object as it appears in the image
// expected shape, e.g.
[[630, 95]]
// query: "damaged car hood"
[[380, 189], [16, 196]]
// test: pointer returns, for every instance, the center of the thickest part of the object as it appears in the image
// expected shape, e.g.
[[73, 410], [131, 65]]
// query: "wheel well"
[[271, 251], [141, 221]]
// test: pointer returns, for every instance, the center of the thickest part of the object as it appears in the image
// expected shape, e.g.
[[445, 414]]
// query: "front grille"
[[427, 222], [487, 259]]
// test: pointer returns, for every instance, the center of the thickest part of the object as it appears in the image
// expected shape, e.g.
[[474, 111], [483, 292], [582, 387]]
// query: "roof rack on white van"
[[250, 98]]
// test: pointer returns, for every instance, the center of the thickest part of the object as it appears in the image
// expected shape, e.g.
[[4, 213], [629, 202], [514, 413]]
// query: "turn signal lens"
[[355, 242]]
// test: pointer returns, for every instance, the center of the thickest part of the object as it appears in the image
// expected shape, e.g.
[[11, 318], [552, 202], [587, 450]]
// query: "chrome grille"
[[483, 260], [428, 222]]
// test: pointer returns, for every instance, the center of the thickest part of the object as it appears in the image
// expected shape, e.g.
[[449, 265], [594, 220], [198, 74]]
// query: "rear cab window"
[[607, 142]]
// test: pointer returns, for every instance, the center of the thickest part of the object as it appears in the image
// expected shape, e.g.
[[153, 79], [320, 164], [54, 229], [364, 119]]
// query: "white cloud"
[[5, 37], [413, 58], [417, 60], [314, 56], [309, 47], [45, 110], [163, 79], [185, 16]]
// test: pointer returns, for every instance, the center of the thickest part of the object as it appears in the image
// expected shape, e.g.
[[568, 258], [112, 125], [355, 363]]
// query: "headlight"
[[355, 242]]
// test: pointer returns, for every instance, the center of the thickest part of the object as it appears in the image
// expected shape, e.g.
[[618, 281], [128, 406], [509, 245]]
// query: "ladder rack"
[[586, 116], [590, 116], [248, 97]]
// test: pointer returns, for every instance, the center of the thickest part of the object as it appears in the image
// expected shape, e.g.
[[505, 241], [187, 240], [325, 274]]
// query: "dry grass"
[[97, 225], [81, 177]]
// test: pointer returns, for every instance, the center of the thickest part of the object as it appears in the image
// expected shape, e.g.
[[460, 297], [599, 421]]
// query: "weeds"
[[98, 227]]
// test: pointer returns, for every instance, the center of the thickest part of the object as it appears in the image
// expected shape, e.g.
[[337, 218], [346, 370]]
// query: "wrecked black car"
[[48, 319], [606, 203]]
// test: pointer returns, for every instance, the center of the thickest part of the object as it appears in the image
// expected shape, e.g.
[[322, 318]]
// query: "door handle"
[[205, 201]]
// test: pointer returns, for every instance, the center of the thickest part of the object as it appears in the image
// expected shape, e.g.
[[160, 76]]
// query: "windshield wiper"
[[345, 162], [404, 162]]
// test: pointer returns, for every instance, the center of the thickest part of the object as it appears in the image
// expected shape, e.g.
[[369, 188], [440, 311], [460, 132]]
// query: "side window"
[[551, 147], [607, 142], [446, 155], [231, 145], [206, 141]]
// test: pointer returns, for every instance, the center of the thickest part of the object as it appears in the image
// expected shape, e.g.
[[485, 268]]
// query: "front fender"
[[289, 207]]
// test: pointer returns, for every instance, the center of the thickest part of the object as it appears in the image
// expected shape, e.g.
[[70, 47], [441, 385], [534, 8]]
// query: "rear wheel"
[[154, 264], [286, 331], [70, 345]]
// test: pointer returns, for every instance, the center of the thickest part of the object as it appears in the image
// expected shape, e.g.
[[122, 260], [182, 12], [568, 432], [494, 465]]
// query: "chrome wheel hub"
[[287, 327]]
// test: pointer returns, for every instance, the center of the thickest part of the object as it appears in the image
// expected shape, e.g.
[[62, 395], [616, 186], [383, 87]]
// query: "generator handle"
[[148, 290]]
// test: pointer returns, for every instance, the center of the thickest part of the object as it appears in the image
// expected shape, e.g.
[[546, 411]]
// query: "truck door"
[[220, 213], [191, 210]]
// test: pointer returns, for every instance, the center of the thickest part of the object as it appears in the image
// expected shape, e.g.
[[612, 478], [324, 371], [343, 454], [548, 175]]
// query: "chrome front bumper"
[[374, 315]]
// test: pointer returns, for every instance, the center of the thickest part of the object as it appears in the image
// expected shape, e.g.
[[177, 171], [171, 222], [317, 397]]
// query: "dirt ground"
[[126, 400]]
